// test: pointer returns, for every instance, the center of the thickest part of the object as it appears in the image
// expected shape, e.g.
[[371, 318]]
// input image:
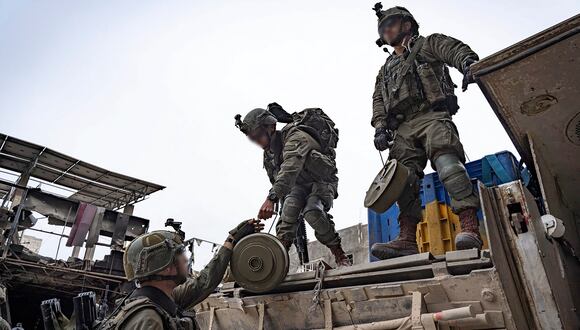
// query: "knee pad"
[[317, 220], [291, 208], [454, 176], [313, 203]]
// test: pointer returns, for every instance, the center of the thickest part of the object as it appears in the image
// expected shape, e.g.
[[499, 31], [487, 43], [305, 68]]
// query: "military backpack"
[[317, 123]]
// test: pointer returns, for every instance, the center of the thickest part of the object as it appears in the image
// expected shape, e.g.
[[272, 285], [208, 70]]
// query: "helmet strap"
[[178, 279]]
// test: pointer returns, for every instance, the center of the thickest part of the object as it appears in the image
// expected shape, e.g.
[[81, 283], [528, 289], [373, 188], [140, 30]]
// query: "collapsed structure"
[[98, 212]]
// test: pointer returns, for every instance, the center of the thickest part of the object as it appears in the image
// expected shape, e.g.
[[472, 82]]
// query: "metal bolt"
[[255, 263]]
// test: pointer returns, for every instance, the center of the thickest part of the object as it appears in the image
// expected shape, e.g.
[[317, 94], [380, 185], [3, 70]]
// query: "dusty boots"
[[469, 237], [404, 245], [339, 256]]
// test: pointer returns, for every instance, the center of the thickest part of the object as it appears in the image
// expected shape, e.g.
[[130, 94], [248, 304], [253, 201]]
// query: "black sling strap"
[[159, 298], [409, 62], [406, 66]]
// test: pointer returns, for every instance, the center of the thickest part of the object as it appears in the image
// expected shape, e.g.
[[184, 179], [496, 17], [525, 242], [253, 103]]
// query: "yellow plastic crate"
[[436, 232]]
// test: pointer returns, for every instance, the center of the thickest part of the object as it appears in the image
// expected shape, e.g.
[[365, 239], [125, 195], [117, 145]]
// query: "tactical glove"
[[245, 228], [467, 75], [383, 138]]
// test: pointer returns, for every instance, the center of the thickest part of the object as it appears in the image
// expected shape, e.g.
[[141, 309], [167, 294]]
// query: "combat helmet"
[[384, 16], [151, 253], [255, 119]]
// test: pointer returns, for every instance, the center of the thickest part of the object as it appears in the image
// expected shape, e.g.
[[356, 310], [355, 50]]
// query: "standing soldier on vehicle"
[[413, 103], [300, 162], [157, 261]]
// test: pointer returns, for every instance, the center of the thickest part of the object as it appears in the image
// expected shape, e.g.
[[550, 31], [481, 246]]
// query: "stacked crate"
[[436, 232]]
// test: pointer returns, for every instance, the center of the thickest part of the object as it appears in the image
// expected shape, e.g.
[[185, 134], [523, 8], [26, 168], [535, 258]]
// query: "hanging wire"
[[382, 160], [466, 156], [273, 222]]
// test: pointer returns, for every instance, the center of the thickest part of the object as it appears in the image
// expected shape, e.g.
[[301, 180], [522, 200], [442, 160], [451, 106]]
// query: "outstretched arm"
[[449, 50], [195, 290]]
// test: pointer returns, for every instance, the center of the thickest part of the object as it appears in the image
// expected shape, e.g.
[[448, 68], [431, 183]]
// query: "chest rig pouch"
[[322, 167], [402, 88], [437, 86]]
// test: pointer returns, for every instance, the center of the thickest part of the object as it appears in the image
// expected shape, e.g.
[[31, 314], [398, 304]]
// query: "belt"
[[412, 112]]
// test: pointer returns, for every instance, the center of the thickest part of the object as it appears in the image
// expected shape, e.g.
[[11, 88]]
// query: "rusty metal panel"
[[503, 260], [533, 89], [562, 269], [520, 215], [364, 304]]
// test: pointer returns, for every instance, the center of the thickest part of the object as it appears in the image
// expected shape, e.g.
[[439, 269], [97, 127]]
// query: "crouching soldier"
[[413, 102], [158, 263], [300, 162]]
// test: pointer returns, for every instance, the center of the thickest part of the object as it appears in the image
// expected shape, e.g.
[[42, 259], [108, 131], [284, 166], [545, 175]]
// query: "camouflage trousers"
[[311, 201], [428, 136]]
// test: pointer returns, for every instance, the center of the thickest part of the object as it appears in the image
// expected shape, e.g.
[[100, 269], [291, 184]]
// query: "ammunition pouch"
[[322, 167], [451, 104], [439, 98], [416, 86], [408, 94], [432, 90]]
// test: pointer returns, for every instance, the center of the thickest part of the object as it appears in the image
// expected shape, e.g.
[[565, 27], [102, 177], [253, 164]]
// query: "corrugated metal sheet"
[[92, 184]]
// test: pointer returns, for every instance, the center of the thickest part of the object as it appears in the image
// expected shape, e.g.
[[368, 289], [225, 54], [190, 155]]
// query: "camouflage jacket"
[[140, 312], [294, 158], [439, 51]]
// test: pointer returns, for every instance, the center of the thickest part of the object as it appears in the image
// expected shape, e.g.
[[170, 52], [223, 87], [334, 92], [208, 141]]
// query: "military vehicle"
[[529, 278]]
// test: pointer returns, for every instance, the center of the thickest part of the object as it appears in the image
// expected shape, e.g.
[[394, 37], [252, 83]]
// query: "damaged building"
[[97, 212]]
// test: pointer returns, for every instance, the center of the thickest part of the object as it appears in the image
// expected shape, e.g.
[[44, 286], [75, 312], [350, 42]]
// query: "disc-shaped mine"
[[259, 262]]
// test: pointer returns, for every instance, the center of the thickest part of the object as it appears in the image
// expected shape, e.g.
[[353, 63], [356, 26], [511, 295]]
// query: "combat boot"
[[469, 236], [340, 257], [404, 245]]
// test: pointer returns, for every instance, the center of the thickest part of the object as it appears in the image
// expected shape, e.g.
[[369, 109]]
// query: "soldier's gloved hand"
[[383, 139], [467, 75], [246, 228]]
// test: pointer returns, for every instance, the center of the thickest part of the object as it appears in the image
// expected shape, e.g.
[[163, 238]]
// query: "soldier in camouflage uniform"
[[4, 325], [157, 262], [291, 160], [412, 106]]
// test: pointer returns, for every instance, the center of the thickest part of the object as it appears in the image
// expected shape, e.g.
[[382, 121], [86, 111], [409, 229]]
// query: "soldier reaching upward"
[[158, 263], [299, 160], [413, 103]]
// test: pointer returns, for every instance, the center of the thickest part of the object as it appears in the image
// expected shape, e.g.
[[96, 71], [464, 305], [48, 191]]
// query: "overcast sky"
[[150, 89]]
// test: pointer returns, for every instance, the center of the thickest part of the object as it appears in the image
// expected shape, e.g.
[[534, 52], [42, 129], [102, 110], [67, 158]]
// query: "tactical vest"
[[411, 84], [132, 306], [319, 166]]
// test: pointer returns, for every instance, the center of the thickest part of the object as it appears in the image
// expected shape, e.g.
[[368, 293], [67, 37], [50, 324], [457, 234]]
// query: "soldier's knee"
[[317, 220], [292, 208], [454, 176]]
